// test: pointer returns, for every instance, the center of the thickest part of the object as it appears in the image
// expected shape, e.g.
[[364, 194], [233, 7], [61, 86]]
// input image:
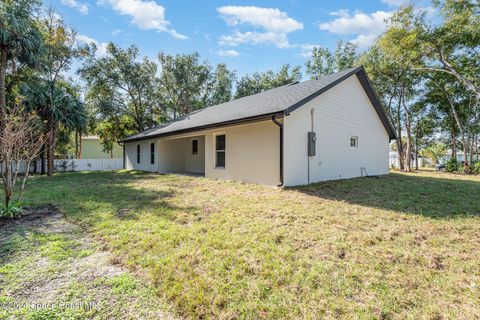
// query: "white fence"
[[66, 165]]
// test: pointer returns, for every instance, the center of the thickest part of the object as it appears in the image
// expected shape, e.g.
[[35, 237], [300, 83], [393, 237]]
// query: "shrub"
[[476, 167], [12, 210], [451, 165]]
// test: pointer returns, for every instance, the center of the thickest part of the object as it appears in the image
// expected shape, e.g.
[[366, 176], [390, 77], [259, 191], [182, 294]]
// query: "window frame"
[[355, 139], [217, 151], [152, 152], [194, 146], [138, 154]]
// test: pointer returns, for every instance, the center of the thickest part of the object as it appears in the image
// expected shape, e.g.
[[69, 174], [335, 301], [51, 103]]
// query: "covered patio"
[[182, 155]]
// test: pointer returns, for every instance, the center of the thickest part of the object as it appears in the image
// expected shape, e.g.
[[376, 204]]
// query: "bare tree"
[[21, 141]]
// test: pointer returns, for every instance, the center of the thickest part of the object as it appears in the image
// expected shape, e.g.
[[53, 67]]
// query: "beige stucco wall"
[[195, 162], [131, 156], [93, 149], [252, 153], [339, 113], [175, 155]]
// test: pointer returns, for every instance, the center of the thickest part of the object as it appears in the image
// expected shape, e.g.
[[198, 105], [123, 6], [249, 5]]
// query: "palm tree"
[[19, 39], [57, 105], [435, 152]]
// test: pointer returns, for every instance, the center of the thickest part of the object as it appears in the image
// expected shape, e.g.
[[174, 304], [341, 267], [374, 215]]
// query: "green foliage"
[[186, 83], [12, 210], [324, 62], [261, 81], [435, 151], [121, 84], [223, 80], [452, 165], [123, 283], [476, 167], [113, 130], [18, 33]]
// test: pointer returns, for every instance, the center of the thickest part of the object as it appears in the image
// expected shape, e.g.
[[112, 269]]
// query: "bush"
[[452, 165], [13, 210], [476, 167]]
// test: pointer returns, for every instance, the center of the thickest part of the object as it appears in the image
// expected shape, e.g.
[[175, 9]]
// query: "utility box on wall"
[[312, 138]]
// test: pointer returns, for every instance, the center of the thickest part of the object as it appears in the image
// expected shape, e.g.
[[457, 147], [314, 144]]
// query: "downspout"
[[312, 112], [280, 125]]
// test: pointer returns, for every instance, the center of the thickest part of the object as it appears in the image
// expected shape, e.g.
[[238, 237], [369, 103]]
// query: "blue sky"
[[247, 36]]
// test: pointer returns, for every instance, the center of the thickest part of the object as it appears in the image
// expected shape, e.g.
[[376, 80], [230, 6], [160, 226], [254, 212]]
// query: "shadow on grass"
[[86, 196], [426, 196]]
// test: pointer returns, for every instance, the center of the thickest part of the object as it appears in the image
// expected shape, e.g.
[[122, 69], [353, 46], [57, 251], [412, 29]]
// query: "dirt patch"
[[45, 259]]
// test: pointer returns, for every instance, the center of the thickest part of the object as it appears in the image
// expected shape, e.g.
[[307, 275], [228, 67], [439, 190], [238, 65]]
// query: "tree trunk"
[[81, 146], [470, 85], [399, 138], [454, 145], [3, 71], [471, 148], [42, 159], [52, 130], [24, 180], [408, 151], [462, 131], [77, 156], [416, 148], [7, 180], [476, 142]]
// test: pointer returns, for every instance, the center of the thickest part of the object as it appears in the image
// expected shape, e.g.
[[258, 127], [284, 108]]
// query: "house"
[[325, 129], [91, 148]]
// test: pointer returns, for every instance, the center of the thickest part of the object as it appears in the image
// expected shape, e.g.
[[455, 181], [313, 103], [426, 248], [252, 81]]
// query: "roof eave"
[[262, 117]]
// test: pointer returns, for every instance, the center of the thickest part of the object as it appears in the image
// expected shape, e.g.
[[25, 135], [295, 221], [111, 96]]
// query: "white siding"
[[339, 113]]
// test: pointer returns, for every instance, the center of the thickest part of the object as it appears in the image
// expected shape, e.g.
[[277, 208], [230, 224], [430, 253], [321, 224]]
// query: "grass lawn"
[[399, 246]]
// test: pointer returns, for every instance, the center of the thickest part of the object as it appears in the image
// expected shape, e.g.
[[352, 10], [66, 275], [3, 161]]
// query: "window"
[[152, 153], [220, 151], [354, 142], [138, 153], [194, 146]]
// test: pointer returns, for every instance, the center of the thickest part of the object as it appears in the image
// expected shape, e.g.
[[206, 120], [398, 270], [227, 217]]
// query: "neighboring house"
[[92, 148], [330, 128], [395, 161]]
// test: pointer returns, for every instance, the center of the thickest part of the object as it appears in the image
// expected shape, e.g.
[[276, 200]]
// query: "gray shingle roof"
[[272, 101]]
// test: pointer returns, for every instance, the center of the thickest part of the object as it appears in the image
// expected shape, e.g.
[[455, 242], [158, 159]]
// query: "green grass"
[[394, 247]]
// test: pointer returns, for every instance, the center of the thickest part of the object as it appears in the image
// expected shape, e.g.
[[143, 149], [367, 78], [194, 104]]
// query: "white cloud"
[[275, 25], [116, 32], [101, 46], [147, 15], [237, 38], [366, 27], [228, 53], [270, 19], [82, 7], [394, 3], [306, 49]]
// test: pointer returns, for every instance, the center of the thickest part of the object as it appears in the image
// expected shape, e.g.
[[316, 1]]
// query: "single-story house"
[[324, 129]]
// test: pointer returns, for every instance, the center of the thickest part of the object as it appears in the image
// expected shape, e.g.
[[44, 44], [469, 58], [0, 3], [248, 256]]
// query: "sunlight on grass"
[[403, 245]]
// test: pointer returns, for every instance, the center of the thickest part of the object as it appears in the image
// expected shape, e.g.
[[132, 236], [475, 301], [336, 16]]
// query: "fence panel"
[[68, 165]]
